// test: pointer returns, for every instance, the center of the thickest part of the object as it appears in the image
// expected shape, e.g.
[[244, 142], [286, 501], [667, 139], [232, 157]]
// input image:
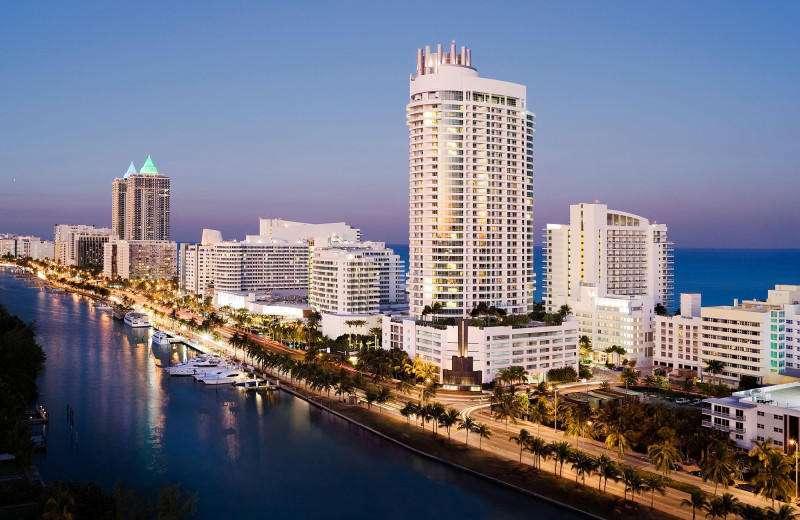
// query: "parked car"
[[677, 467], [682, 400], [745, 487], [619, 369], [646, 458]]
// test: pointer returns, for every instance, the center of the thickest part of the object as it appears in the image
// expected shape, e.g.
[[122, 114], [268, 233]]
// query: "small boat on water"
[[100, 305], [197, 366], [160, 337], [252, 383], [137, 319]]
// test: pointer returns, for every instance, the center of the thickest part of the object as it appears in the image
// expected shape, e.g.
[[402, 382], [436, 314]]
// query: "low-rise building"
[[677, 339], [772, 412], [33, 247], [147, 259], [536, 347]]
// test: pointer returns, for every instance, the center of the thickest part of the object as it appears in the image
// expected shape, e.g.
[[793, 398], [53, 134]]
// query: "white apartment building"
[[197, 263], [536, 347], [260, 264], [470, 188], [146, 259], [624, 321], [621, 254], [317, 234], [771, 412], [66, 240], [356, 279], [35, 248], [678, 339]]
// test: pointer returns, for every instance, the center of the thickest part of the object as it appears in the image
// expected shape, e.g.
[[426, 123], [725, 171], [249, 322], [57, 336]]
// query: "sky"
[[684, 112]]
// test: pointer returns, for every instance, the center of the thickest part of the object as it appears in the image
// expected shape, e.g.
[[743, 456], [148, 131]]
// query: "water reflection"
[[244, 453]]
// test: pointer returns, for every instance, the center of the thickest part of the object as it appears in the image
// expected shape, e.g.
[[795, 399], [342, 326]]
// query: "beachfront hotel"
[[140, 259], [140, 204], [471, 188], [471, 227], [625, 261], [66, 239]]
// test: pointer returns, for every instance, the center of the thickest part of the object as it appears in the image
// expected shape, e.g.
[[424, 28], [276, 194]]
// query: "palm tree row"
[[726, 504]]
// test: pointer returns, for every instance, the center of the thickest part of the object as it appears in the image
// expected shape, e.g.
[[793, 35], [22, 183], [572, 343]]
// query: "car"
[[646, 458], [695, 473], [619, 369], [681, 400], [745, 487], [677, 467]]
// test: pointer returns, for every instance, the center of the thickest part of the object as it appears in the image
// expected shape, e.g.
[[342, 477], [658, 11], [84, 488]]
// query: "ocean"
[[720, 275]]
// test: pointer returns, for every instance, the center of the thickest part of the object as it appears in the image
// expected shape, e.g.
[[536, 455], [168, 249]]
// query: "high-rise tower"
[[140, 204], [471, 188]]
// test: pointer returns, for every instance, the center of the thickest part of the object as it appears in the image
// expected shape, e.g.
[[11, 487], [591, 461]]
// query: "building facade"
[[470, 188], [537, 347], [678, 340], [363, 278], [140, 204], [89, 249], [66, 241], [621, 254], [140, 259]]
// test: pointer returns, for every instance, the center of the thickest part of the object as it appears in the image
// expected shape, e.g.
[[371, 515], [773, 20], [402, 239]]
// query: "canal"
[[245, 455]]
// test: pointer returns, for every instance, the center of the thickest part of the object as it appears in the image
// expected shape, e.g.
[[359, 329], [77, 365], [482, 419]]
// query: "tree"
[[633, 480], [727, 504], [428, 391], [656, 484], [664, 455], [718, 465], [771, 478], [714, 508], [371, 395], [560, 452], [384, 396], [172, 504], [617, 437], [585, 346], [582, 464], [606, 469], [697, 500], [448, 419], [539, 449], [468, 425], [660, 310], [714, 367], [60, 507], [629, 377], [751, 512], [539, 412], [483, 432], [786, 512], [521, 440], [408, 410]]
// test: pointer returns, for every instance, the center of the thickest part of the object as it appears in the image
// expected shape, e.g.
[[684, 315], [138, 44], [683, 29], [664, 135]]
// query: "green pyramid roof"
[[149, 168]]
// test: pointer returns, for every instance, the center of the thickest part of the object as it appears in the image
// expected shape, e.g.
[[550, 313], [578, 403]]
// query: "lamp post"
[[794, 443], [588, 425], [555, 406]]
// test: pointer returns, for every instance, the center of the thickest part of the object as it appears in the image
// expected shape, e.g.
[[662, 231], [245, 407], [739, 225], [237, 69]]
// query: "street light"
[[555, 406], [794, 443], [588, 425]]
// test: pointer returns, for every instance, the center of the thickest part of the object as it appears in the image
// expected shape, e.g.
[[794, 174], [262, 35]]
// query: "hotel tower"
[[471, 188], [140, 204]]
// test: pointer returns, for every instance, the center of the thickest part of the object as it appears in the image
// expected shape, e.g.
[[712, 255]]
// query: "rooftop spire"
[[149, 168], [131, 170]]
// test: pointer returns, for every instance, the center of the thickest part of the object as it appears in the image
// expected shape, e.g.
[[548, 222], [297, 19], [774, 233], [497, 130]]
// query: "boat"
[[137, 319], [160, 337], [223, 368], [223, 378], [100, 305], [252, 383], [197, 366]]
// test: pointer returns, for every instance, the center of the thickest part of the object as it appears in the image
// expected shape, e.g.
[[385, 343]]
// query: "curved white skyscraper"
[[471, 188]]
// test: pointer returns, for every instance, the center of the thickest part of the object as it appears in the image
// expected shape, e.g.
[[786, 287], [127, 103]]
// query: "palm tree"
[[697, 499], [60, 507], [408, 410], [539, 449], [509, 408], [751, 512], [384, 396], [469, 425], [404, 385], [718, 466], [714, 508], [564, 310], [714, 367], [539, 412], [585, 346], [786, 512], [664, 455], [313, 322], [428, 391], [606, 469], [629, 377], [583, 464], [633, 479], [376, 333], [483, 432], [448, 419], [521, 440], [771, 477], [578, 422], [560, 451], [617, 436], [727, 504], [655, 483]]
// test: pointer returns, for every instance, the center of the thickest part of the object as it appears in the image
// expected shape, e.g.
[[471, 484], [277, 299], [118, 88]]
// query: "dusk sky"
[[687, 113]]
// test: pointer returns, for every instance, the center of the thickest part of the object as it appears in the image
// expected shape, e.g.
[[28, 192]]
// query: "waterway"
[[247, 456]]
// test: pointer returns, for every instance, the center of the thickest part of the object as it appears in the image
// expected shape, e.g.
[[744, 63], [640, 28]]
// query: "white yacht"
[[137, 319], [100, 305], [196, 366], [224, 368], [224, 378], [160, 337]]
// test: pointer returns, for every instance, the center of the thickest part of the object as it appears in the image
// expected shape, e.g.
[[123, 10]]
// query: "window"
[[739, 437], [761, 414], [760, 439], [760, 426], [778, 430], [778, 417]]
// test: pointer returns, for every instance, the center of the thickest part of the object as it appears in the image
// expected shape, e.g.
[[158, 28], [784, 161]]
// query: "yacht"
[[223, 378], [137, 319], [100, 305], [196, 366], [214, 372], [160, 337]]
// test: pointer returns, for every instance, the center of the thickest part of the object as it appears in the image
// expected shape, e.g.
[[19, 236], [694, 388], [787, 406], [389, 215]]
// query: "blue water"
[[720, 275], [247, 456]]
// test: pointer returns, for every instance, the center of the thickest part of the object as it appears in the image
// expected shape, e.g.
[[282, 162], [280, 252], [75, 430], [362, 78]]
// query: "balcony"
[[709, 424]]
